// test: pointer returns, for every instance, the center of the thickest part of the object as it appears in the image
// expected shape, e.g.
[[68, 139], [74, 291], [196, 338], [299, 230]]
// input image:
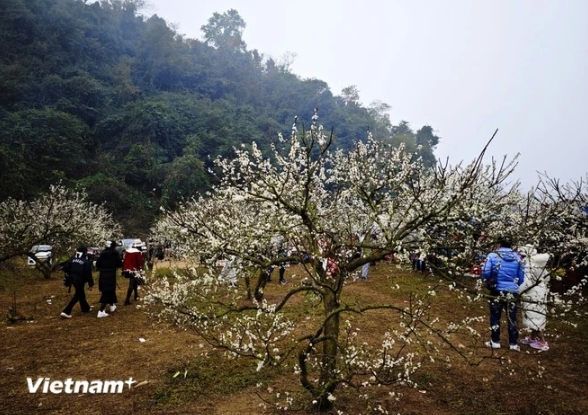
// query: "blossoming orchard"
[[337, 212], [61, 218]]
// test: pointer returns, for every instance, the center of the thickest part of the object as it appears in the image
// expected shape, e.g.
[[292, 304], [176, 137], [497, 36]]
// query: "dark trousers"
[[282, 271], [496, 307], [133, 286], [79, 295]]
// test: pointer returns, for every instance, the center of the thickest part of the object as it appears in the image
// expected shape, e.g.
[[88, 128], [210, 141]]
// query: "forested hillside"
[[97, 96]]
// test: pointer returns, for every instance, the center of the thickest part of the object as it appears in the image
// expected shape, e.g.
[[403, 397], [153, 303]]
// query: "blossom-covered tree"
[[62, 218], [337, 211]]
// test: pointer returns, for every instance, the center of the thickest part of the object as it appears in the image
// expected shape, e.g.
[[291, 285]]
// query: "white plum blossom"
[[375, 199], [62, 218]]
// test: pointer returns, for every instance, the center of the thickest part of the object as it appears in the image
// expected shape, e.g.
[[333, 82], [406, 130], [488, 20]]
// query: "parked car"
[[43, 253], [135, 243]]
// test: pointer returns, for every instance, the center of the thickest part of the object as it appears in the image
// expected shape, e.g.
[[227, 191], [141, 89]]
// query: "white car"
[[43, 254], [135, 243]]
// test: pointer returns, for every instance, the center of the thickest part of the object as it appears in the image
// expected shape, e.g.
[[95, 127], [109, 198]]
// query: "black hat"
[[82, 249]]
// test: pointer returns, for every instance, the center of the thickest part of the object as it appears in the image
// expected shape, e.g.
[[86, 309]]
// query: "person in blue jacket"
[[503, 273]]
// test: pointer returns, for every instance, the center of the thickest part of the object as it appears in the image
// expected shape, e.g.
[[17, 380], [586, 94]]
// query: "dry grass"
[[179, 374]]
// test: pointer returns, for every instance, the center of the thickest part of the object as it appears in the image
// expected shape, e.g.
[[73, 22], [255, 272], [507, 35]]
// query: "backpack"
[[492, 281]]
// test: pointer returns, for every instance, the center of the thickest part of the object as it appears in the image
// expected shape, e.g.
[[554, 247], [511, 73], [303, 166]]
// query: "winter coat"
[[506, 267], [133, 260], [534, 290], [107, 263], [80, 270]]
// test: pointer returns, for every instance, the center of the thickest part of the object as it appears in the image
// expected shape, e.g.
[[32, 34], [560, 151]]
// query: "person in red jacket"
[[132, 266]]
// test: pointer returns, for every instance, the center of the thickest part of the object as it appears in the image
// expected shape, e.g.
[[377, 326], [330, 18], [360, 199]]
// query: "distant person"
[[229, 271], [107, 263], [150, 251], [503, 273], [158, 254], [131, 267], [365, 252], [281, 273], [80, 272], [278, 248], [534, 297]]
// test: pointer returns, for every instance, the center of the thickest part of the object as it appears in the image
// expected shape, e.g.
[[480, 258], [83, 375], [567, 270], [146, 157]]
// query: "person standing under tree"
[[534, 293], [80, 270], [365, 252], [229, 271], [132, 265], [107, 263], [279, 249], [503, 273]]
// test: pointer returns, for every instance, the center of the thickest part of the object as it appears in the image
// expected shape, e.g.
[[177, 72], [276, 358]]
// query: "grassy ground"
[[177, 373]]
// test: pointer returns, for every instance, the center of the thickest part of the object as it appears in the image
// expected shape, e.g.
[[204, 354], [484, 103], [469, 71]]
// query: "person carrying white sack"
[[534, 292]]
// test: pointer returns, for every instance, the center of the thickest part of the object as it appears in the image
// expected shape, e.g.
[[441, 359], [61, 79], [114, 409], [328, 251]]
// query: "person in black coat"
[[80, 270], [107, 263]]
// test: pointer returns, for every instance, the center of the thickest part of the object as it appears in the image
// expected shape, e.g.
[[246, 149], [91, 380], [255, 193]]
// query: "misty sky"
[[464, 67]]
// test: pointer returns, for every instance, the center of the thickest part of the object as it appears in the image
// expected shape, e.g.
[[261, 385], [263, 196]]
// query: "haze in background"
[[465, 68]]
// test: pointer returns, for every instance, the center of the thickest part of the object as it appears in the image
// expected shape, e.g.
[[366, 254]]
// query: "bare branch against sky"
[[463, 67]]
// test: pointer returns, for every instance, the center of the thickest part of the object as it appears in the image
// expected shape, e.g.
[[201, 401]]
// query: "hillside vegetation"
[[100, 97]]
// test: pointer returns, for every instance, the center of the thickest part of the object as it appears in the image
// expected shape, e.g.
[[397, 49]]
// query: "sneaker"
[[283, 282], [492, 345], [102, 314], [113, 308], [137, 298], [65, 315], [515, 347], [539, 345], [528, 340]]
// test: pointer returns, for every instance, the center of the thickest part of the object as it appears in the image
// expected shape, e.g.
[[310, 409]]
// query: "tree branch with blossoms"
[[336, 211]]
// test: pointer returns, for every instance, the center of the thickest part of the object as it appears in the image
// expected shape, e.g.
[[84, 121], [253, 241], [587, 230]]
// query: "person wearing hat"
[[132, 266], [80, 270], [503, 273], [107, 263]]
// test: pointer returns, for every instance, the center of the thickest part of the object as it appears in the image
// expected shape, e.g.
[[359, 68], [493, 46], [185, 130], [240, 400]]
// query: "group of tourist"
[[79, 271], [511, 274], [507, 273]]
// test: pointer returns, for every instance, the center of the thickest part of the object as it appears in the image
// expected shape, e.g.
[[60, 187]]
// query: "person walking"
[[132, 265], [534, 297], [503, 273], [80, 272], [107, 263], [278, 248]]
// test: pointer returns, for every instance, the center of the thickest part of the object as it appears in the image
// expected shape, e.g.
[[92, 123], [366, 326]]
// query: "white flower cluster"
[[61, 218], [338, 211]]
